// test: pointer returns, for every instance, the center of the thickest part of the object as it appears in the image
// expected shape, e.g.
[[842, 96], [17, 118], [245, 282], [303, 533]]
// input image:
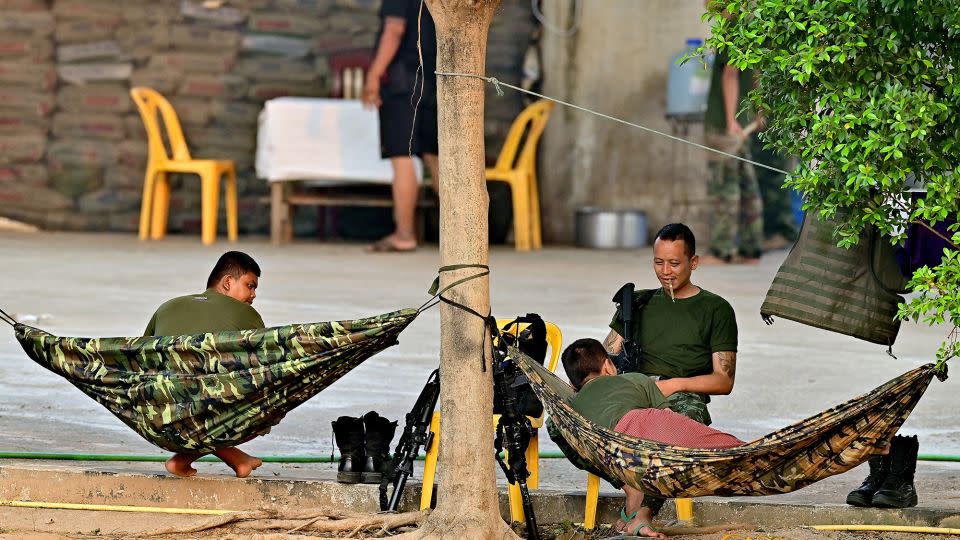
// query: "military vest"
[[851, 291]]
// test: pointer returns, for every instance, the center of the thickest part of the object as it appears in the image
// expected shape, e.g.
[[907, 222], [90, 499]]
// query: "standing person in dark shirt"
[[407, 99]]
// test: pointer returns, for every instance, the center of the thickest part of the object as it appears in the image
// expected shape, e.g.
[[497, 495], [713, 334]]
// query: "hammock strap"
[[7, 318], [489, 322]]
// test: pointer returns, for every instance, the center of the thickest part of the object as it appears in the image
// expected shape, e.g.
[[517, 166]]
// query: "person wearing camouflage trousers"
[[736, 224], [685, 335], [780, 227]]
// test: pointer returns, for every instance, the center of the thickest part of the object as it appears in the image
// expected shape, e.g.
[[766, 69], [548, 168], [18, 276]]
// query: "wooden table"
[[310, 149]]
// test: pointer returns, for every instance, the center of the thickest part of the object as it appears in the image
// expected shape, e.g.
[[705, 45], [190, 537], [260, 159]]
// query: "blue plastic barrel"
[[688, 84]]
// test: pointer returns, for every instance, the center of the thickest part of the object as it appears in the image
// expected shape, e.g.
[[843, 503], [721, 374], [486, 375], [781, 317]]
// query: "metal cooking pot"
[[611, 229]]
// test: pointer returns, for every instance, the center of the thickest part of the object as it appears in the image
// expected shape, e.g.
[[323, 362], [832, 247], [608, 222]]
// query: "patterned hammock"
[[823, 445], [209, 391]]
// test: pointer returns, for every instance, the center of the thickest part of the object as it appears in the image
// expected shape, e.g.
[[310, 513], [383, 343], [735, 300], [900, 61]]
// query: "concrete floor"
[[107, 285]]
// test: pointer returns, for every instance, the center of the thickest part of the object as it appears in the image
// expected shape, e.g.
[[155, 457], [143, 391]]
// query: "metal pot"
[[611, 229]]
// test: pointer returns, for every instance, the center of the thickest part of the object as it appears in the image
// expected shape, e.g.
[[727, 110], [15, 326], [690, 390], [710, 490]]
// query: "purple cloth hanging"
[[922, 247]]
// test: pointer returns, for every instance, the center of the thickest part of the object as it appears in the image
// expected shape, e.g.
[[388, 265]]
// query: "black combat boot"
[[349, 434], [897, 490], [863, 495], [376, 458]]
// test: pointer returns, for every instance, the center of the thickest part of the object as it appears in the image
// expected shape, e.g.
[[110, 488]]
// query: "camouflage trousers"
[[736, 225], [778, 217], [694, 407]]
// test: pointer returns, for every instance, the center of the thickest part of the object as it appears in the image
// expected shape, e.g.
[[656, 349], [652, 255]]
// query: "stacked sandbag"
[[278, 58], [73, 148], [510, 34], [27, 82], [91, 100]]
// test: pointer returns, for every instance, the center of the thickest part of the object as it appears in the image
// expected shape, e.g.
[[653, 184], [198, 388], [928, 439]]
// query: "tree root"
[[708, 529], [291, 522]]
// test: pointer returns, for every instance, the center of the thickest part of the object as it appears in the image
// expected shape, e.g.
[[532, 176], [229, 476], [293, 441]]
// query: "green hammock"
[[823, 445], [204, 392]]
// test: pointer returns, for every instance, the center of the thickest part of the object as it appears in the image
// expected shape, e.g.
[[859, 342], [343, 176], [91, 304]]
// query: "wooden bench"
[[287, 194]]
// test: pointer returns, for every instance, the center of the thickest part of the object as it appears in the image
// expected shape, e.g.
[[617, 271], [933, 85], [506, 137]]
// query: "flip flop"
[[625, 518], [386, 246], [627, 535]]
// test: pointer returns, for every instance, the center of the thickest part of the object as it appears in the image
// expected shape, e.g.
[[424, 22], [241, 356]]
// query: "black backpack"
[[532, 341]]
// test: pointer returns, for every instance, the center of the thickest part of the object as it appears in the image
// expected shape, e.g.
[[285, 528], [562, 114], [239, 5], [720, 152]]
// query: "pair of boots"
[[364, 445], [890, 482]]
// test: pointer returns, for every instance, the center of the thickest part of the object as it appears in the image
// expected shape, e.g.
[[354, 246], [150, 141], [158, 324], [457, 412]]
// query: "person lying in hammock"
[[632, 403], [226, 305]]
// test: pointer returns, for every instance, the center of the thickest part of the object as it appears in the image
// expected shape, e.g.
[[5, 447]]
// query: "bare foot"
[[712, 260], [179, 465], [241, 462], [621, 524], [392, 244], [639, 526]]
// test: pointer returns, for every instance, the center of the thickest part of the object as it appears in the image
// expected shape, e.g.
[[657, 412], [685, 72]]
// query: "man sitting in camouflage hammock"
[[226, 305], [686, 335], [633, 404]]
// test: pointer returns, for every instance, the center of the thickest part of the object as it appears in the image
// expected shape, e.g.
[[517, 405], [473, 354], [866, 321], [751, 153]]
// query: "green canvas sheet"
[[208, 391]]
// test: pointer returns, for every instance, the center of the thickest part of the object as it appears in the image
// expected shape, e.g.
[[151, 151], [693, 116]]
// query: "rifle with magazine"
[[416, 434]]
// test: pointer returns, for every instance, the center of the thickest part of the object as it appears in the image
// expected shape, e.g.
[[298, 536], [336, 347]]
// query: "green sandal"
[[623, 515], [636, 530]]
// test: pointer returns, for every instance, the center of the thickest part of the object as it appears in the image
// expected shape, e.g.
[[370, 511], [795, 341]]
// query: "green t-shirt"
[[715, 118], [606, 399], [208, 311], [678, 339]]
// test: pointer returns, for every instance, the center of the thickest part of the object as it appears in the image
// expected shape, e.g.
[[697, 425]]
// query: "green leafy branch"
[[866, 94]]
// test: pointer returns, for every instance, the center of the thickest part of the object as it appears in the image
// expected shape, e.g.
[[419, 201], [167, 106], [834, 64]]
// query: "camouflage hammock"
[[208, 391], [823, 445]]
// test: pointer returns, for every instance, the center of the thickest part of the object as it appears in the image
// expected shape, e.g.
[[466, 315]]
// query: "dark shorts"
[[398, 122]]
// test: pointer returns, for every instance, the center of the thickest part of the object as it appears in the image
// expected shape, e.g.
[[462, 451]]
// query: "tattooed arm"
[[720, 382], [613, 342]]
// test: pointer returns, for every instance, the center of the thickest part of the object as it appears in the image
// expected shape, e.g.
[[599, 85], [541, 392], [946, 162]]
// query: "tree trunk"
[[467, 502]]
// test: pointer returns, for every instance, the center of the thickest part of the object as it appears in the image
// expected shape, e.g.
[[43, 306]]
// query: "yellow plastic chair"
[[684, 506], [517, 166], [155, 207], [555, 340]]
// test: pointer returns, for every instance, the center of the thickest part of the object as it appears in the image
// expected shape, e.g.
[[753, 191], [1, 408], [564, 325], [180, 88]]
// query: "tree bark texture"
[[467, 503]]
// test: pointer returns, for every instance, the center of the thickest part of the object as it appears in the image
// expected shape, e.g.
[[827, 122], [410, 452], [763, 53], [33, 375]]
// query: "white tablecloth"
[[332, 141]]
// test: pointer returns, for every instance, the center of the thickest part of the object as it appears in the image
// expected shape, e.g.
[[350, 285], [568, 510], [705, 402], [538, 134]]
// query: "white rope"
[[497, 84]]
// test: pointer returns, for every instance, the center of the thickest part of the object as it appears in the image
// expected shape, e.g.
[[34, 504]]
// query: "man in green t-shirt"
[[686, 335], [634, 404], [226, 305]]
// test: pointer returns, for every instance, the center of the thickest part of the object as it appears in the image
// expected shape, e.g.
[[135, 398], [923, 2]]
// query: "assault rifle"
[[624, 301], [416, 434], [513, 430]]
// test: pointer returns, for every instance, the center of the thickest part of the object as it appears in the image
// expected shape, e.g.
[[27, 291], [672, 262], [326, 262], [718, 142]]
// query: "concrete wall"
[[617, 63]]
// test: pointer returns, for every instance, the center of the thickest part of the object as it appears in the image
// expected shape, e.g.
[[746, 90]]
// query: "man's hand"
[[734, 128], [718, 383], [393, 30], [667, 387], [613, 342], [371, 91]]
